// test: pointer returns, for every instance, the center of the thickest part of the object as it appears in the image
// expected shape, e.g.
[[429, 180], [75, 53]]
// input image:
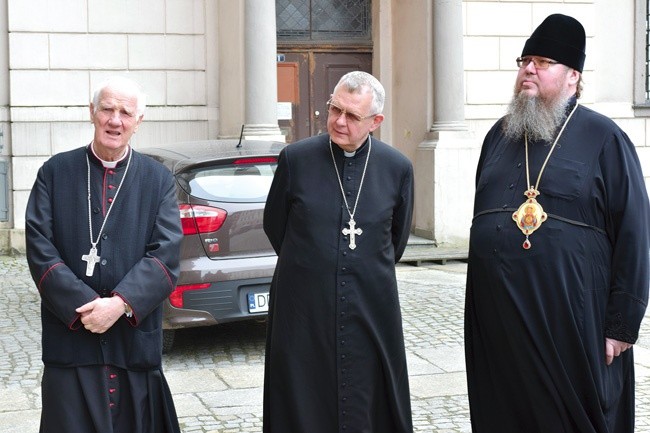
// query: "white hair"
[[355, 81], [125, 85]]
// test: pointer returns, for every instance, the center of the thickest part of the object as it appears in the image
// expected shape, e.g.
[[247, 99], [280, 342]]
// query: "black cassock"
[[94, 382], [536, 320], [335, 358]]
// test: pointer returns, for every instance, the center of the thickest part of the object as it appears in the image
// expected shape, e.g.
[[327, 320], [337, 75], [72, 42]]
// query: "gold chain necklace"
[[530, 215]]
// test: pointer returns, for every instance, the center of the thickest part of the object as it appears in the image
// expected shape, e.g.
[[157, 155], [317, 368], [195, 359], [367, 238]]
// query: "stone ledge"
[[420, 250]]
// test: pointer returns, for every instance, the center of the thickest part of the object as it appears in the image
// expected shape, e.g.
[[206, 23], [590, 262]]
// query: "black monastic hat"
[[561, 38]]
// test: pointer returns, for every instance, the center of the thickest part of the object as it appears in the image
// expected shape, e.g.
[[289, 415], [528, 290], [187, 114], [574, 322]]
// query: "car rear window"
[[239, 181]]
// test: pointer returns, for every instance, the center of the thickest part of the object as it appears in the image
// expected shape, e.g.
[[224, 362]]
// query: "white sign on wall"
[[284, 111]]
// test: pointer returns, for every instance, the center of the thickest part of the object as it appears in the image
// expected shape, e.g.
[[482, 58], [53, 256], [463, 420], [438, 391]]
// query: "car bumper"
[[226, 299]]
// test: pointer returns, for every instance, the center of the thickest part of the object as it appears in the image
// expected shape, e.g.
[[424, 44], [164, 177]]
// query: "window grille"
[[323, 20]]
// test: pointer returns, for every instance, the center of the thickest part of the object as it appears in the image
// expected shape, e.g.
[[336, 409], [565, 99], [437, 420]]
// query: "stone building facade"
[[209, 68]]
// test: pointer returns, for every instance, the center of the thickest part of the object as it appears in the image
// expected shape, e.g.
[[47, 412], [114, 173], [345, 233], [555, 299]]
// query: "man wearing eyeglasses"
[[557, 280], [338, 215]]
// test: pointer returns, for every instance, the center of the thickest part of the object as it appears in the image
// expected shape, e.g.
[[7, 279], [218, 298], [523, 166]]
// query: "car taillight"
[[176, 298], [201, 219], [256, 160]]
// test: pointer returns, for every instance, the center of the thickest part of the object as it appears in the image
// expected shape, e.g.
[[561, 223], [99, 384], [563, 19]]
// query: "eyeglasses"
[[336, 111], [523, 62]]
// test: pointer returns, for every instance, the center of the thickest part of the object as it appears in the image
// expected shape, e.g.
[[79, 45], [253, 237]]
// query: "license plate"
[[258, 302]]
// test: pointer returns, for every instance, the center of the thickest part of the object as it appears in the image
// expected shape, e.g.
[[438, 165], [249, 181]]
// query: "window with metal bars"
[[322, 20]]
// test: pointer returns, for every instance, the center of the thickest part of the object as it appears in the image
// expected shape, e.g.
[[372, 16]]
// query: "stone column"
[[444, 187], [260, 47], [448, 71]]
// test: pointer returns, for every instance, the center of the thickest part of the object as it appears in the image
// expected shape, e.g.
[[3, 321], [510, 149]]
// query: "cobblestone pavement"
[[216, 373]]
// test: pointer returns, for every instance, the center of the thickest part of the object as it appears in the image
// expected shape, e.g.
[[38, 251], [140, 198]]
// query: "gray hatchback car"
[[227, 261]]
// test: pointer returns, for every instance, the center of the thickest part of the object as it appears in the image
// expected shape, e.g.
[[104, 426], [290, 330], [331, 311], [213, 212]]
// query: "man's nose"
[[530, 68], [342, 119], [115, 117]]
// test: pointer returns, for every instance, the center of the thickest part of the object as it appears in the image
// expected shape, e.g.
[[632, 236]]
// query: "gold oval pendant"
[[529, 217]]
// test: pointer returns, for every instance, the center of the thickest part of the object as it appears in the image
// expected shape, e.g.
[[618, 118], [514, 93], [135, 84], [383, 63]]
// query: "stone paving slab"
[[216, 374]]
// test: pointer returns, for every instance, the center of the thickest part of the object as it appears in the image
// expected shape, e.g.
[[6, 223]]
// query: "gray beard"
[[539, 119]]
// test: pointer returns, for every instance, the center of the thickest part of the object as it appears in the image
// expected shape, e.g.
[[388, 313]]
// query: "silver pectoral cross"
[[352, 231], [91, 259]]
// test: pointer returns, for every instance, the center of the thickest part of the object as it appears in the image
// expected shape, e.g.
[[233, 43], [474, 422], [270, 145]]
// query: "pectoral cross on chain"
[[91, 259], [352, 231]]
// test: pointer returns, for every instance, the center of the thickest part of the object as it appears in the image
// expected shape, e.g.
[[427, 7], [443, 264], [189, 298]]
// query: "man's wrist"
[[128, 312]]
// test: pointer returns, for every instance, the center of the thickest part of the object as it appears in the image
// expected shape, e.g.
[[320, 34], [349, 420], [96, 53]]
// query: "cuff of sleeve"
[[621, 335], [76, 323], [619, 329], [623, 326], [132, 319]]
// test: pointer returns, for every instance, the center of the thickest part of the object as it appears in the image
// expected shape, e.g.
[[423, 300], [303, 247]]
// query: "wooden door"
[[318, 73], [328, 70]]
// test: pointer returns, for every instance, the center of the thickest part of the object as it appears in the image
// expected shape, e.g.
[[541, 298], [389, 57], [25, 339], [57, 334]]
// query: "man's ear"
[[376, 121], [137, 125], [574, 77]]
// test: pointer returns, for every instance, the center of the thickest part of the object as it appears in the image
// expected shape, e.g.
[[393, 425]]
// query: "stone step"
[[420, 250]]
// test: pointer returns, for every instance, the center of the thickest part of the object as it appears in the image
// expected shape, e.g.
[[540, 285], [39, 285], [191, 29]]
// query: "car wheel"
[[168, 340]]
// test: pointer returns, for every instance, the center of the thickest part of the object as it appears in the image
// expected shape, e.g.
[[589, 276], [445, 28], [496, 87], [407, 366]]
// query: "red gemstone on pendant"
[[526, 244]]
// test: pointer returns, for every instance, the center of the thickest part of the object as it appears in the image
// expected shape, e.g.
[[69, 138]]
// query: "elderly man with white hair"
[[103, 235]]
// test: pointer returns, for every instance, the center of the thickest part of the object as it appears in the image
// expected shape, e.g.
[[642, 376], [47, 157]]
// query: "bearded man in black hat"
[[557, 280]]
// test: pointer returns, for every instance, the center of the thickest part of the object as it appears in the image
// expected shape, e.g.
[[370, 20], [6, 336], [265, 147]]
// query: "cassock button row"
[[344, 269], [342, 313], [348, 193], [498, 227], [345, 253], [104, 236], [505, 206], [111, 172], [343, 283], [349, 178], [104, 261], [519, 165], [349, 164], [110, 200], [342, 342], [111, 186], [342, 298], [343, 356], [512, 185], [96, 210]]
